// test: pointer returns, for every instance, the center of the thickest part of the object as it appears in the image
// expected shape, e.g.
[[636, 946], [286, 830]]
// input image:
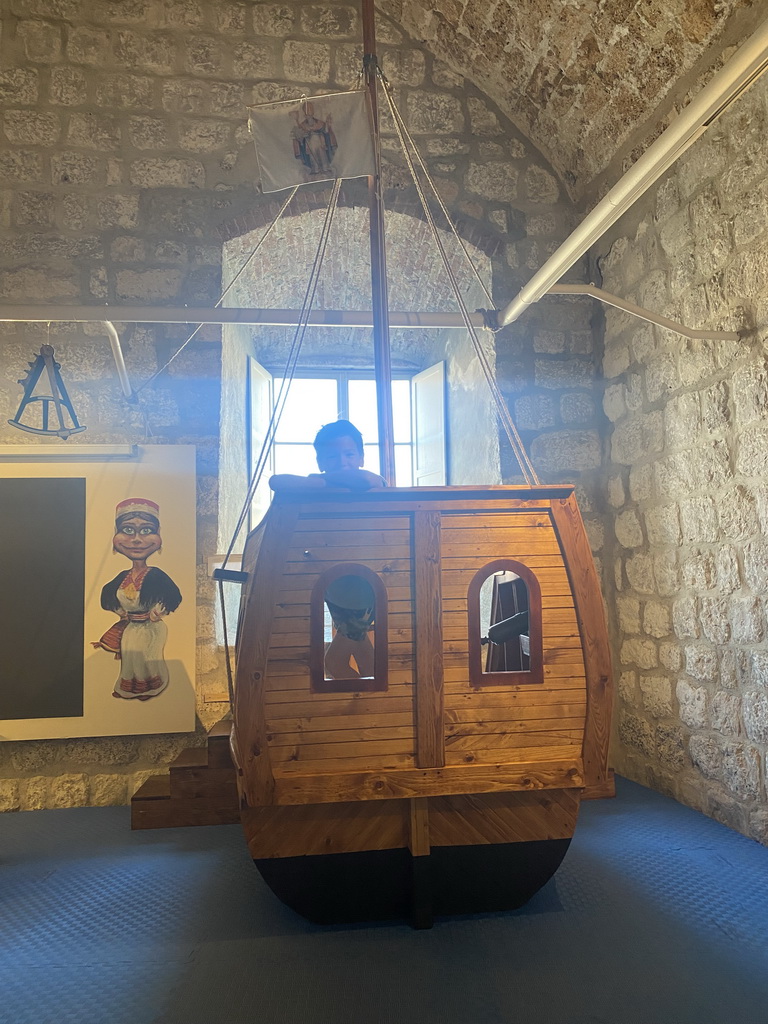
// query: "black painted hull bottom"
[[345, 888]]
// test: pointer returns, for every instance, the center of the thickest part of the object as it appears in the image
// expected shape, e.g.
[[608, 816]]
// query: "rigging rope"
[[277, 411], [226, 291], [516, 443]]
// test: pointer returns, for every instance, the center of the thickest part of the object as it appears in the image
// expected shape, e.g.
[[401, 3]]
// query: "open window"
[[504, 623], [348, 631]]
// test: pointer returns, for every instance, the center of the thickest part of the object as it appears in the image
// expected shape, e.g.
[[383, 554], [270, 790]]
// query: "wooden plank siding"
[[430, 732]]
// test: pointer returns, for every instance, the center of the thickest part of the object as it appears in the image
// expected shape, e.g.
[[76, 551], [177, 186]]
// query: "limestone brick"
[[535, 412], [750, 394], [639, 568], [204, 135], [656, 695], [30, 285], [30, 127], [727, 572], [567, 450], [231, 18], [698, 569], [20, 165], [87, 45], [139, 52], [635, 732], [253, 60], [701, 662], [34, 793], [125, 91], [147, 285], [94, 131], [563, 373], [629, 532], [707, 755], [670, 657], [628, 609], [756, 564], [496, 181], [616, 493], [641, 482], [670, 747], [656, 619], [273, 19], [445, 77], [640, 652], [482, 119], [616, 358], [662, 524], [685, 618], [747, 620], [69, 790], [330, 21], [699, 521], [69, 168], [725, 712], [693, 704], [41, 41], [741, 770], [627, 689], [541, 186], [306, 62], [168, 172], [714, 619], [10, 799], [18, 85]]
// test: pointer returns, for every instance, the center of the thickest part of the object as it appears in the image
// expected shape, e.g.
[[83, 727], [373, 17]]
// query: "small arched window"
[[504, 622], [348, 631]]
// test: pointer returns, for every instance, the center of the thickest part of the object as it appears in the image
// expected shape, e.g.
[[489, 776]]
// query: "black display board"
[[42, 597]]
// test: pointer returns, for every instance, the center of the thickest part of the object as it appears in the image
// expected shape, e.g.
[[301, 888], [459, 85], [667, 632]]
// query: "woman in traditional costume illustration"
[[141, 596]]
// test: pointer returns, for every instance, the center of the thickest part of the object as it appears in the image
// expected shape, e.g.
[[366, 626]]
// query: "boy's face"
[[341, 453]]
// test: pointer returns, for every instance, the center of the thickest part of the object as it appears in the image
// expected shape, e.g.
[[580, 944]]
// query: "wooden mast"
[[379, 298]]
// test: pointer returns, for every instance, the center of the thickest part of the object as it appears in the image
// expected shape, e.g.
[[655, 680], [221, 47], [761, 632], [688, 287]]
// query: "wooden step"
[[219, 752], [200, 789]]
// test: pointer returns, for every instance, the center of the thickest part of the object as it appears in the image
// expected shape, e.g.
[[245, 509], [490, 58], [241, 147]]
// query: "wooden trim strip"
[[430, 731], [535, 674], [587, 596], [390, 784], [318, 681], [250, 730]]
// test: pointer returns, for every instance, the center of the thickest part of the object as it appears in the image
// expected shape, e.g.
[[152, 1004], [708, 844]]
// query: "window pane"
[[309, 405], [298, 459], [372, 460], [403, 466], [362, 409], [401, 411]]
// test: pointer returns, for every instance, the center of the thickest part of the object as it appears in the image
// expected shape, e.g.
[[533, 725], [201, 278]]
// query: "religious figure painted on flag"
[[311, 139], [314, 141], [141, 596]]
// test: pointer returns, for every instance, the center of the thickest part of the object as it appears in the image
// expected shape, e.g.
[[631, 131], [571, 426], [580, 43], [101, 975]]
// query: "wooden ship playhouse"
[[441, 773], [440, 783]]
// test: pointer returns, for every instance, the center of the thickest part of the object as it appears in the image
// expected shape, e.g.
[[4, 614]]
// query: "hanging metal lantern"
[[63, 411]]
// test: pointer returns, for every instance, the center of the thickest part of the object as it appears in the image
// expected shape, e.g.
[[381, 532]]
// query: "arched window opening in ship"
[[348, 635], [504, 623]]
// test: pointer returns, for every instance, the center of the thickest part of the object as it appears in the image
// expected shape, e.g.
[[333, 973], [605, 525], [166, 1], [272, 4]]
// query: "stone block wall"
[[125, 165], [687, 484]]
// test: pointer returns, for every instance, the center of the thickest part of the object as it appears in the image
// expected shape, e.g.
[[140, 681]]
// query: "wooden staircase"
[[200, 790]]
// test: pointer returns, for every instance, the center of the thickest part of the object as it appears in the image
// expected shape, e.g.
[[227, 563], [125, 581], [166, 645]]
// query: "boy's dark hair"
[[332, 431]]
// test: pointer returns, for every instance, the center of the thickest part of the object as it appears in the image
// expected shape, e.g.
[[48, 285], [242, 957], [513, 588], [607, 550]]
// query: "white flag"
[[316, 138]]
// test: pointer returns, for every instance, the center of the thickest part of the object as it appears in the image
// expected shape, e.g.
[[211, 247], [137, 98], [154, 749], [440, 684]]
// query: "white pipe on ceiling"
[[746, 65]]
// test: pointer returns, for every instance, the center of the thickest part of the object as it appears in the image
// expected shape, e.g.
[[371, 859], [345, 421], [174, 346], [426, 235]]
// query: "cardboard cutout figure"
[[141, 596]]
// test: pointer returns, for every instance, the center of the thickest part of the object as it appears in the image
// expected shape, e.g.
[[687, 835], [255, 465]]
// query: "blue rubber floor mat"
[[658, 915]]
